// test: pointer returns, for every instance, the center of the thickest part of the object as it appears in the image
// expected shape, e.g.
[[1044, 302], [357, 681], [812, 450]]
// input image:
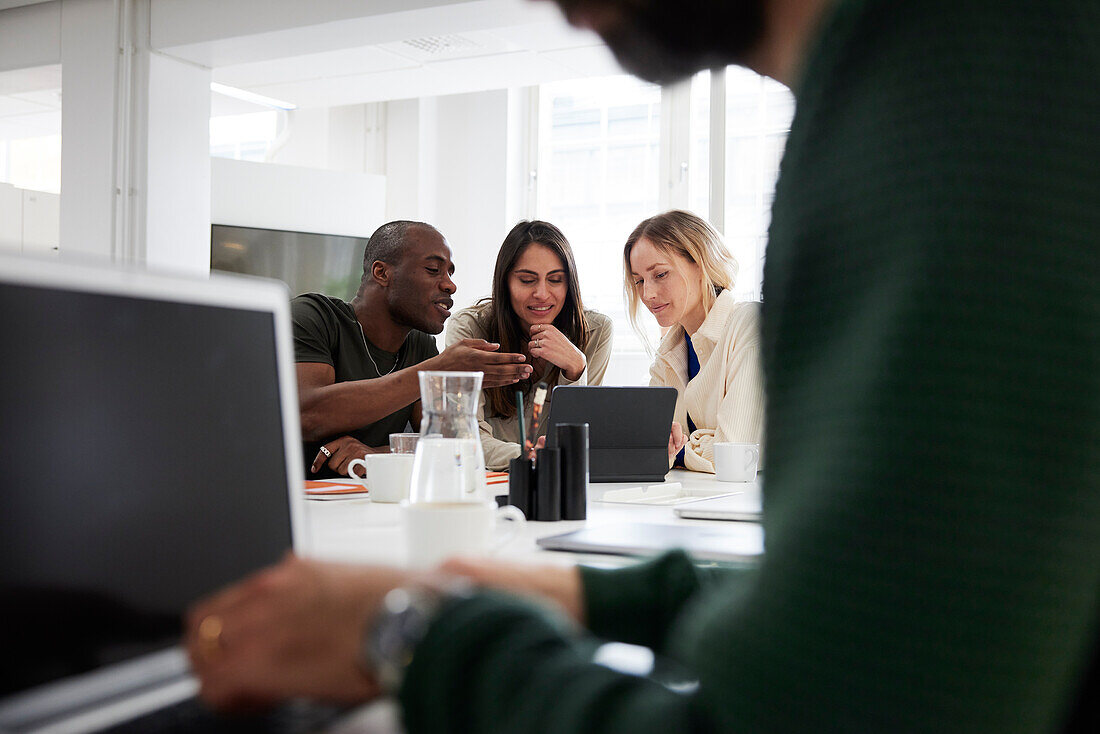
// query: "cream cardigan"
[[500, 436], [726, 398]]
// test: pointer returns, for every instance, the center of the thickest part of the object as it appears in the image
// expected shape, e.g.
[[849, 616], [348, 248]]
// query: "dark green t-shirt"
[[326, 331]]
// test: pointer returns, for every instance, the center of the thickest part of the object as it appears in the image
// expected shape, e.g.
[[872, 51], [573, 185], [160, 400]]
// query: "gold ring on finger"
[[210, 635]]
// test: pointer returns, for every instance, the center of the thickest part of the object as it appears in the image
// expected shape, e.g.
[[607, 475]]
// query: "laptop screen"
[[143, 465]]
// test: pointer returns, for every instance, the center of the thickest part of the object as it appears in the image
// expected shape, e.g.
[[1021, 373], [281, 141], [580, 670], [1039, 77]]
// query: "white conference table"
[[361, 531]]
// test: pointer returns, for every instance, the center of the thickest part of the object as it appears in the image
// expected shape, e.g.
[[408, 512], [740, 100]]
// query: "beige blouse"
[[500, 436], [726, 399]]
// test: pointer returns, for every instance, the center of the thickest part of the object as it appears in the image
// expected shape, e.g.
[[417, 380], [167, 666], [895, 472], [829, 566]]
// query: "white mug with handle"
[[736, 462], [387, 475], [435, 531]]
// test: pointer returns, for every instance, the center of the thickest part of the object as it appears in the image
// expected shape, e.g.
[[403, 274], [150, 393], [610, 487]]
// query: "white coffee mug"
[[436, 531], [387, 475], [736, 462]]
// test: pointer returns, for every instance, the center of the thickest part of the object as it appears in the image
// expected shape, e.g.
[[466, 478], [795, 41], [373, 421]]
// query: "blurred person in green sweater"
[[931, 349]]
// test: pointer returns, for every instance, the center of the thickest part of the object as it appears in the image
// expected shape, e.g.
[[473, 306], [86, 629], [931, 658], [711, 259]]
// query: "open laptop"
[[151, 455], [628, 429]]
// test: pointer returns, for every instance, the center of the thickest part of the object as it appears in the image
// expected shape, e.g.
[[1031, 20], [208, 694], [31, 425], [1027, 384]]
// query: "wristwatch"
[[406, 614]]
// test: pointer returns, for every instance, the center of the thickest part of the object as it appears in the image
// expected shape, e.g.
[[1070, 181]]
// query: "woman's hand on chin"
[[551, 345]]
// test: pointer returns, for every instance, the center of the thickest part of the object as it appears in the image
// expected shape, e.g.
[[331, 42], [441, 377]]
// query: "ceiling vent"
[[442, 45], [437, 48]]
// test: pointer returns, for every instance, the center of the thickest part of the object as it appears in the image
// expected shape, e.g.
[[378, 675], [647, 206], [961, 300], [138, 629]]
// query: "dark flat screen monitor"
[[307, 262]]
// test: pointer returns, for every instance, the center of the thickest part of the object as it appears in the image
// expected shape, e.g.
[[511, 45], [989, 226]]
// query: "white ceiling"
[[452, 48], [30, 102], [534, 47]]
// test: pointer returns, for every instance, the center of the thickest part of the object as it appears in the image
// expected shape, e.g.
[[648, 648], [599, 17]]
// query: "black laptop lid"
[[144, 465], [628, 428]]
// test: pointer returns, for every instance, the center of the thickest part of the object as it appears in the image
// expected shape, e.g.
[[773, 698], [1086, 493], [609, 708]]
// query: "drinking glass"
[[403, 443]]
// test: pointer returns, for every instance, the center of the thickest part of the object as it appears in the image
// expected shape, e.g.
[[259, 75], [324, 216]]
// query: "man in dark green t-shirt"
[[358, 361]]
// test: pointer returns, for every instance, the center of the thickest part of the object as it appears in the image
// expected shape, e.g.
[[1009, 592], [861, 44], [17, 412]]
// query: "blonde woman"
[[678, 268]]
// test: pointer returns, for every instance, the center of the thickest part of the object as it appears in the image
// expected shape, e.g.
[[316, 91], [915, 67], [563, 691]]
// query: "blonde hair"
[[682, 233]]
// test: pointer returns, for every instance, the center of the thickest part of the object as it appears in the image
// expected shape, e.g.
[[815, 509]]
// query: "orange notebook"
[[317, 488]]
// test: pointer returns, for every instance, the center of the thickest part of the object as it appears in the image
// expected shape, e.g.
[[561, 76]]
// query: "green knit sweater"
[[931, 336]]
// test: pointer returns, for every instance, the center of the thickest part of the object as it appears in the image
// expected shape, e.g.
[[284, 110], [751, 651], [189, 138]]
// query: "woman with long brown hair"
[[535, 310]]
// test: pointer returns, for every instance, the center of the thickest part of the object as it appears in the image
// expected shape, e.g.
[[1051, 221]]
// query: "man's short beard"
[[663, 41]]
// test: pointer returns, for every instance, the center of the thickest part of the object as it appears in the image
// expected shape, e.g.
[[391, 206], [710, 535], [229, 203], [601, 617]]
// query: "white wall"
[[89, 129], [402, 121], [471, 170], [427, 146], [307, 144], [30, 36], [41, 221], [349, 138], [11, 216], [29, 219], [177, 175], [294, 198], [446, 162]]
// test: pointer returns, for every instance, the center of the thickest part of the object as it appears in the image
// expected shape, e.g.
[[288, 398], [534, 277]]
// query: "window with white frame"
[[758, 118], [698, 199], [597, 178], [605, 163], [244, 137]]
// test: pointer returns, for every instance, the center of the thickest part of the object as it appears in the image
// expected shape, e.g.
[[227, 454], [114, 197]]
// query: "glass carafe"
[[449, 465]]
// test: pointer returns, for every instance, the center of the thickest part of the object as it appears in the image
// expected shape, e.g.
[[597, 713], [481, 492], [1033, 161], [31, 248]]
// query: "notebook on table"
[[628, 429], [336, 489], [742, 506], [742, 543], [151, 456]]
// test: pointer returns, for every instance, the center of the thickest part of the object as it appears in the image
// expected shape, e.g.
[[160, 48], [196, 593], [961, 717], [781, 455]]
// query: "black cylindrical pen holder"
[[521, 486], [548, 485], [573, 444]]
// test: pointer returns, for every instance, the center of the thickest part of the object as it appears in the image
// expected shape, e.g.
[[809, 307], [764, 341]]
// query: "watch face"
[[402, 622]]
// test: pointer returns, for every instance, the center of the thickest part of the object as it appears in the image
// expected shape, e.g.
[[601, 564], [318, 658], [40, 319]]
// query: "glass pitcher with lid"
[[449, 465]]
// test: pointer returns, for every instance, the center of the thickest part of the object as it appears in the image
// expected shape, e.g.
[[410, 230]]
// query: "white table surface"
[[361, 531]]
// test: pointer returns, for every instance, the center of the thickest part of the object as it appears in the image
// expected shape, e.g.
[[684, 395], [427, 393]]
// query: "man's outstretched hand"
[[478, 355]]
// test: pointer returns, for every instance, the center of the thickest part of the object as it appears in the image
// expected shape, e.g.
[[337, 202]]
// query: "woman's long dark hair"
[[502, 324]]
